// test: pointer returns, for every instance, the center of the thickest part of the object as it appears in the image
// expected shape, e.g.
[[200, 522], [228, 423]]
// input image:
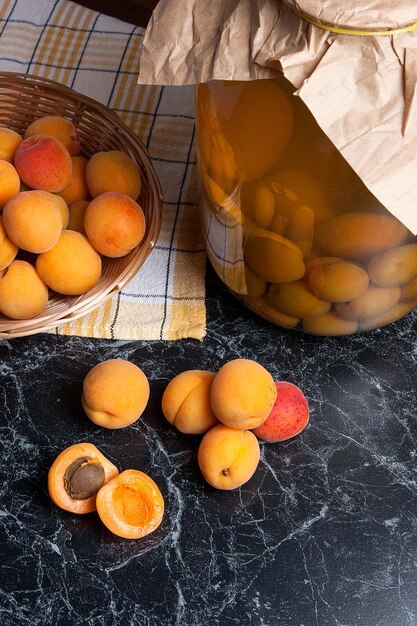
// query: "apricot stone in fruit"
[[43, 162], [186, 402], [242, 394], [228, 457], [289, 415], [115, 393]]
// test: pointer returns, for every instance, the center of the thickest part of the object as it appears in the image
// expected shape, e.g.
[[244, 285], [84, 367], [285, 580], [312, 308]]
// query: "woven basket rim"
[[30, 88]]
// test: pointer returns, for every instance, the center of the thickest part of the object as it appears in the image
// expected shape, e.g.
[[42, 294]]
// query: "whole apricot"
[[33, 220], [228, 457], [289, 415], [242, 394], [113, 170], [9, 182], [9, 141], [43, 162], [77, 187], [8, 250], [186, 402], [115, 393], [23, 294], [58, 127], [114, 224], [72, 266]]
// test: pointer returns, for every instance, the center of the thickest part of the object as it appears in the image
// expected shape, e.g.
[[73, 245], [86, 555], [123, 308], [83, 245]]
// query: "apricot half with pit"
[[76, 476]]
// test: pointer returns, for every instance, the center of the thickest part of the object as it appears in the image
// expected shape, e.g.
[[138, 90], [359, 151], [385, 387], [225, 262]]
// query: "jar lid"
[[359, 14]]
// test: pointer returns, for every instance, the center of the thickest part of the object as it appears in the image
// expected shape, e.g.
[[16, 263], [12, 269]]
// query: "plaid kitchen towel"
[[99, 56]]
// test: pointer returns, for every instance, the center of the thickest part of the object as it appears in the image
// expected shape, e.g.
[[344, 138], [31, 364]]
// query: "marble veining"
[[325, 533]]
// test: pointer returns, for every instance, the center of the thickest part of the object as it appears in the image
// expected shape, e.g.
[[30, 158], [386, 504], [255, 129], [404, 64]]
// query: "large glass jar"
[[289, 227]]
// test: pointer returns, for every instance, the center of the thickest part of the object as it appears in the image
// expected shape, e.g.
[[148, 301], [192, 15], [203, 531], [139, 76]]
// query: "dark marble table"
[[325, 533]]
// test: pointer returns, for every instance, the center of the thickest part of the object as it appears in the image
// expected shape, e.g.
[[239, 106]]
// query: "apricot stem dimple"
[[83, 478], [225, 472]]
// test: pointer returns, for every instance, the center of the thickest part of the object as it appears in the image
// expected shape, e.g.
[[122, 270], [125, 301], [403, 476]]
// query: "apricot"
[[394, 267], [77, 187], [288, 417], [296, 300], [392, 315], [57, 127], [9, 141], [409, 291], [114, 224], [262, 307], [9, 182], [273, 257], [255, 285], [76, 476], [329, 324], [300, 229], [113, 170], [43, 162], [8, 250], [115, 393], [33, 220], [228, 457], [374, 302], [72, 266], [340, 281], [23, 294], [357, 236], [131, 505], [186, 402], [242, 394], [76, 216]]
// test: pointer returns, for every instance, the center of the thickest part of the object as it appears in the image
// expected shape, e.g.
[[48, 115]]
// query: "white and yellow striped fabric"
[[99, 56]]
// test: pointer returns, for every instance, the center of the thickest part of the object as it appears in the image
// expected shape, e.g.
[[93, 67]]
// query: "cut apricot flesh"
[[131, 505], [76, 476]]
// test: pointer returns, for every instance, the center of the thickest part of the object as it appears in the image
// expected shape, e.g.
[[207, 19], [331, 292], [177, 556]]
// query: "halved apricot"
[[131, 505], [76, 476]]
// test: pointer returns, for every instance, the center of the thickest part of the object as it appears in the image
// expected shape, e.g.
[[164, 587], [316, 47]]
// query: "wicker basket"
[[24, 98]]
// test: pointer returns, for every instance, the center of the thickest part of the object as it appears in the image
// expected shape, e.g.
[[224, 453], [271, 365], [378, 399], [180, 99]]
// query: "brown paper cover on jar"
[[360, 87]]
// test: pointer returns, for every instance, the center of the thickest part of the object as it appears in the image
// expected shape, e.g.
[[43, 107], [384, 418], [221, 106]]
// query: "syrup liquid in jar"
[[289, 227]]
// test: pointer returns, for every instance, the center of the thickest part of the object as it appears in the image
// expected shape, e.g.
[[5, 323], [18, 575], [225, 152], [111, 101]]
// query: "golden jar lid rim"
[[364, 21]]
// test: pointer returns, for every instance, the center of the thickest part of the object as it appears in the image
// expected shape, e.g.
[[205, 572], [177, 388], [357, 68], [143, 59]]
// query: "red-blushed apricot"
[[43, 162], [9, 141], [186, 402], [58, 127], [114, 224], [76, 216], [228, 457], [23, 294], [33, 221], [289, 415], [115, 393], [113, 170], [77, 187], [131, 505], [242, 394], [9, 182], [8, 250], [72, 266], [76, 476]]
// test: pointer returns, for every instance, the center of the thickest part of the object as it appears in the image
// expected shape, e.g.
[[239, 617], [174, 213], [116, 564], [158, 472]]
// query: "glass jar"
[[289, 227]]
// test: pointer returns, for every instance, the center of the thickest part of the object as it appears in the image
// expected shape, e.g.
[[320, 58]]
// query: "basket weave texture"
[[24, 98]]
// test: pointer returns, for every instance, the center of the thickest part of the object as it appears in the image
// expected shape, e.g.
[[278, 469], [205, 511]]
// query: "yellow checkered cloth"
[[99, 56]]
